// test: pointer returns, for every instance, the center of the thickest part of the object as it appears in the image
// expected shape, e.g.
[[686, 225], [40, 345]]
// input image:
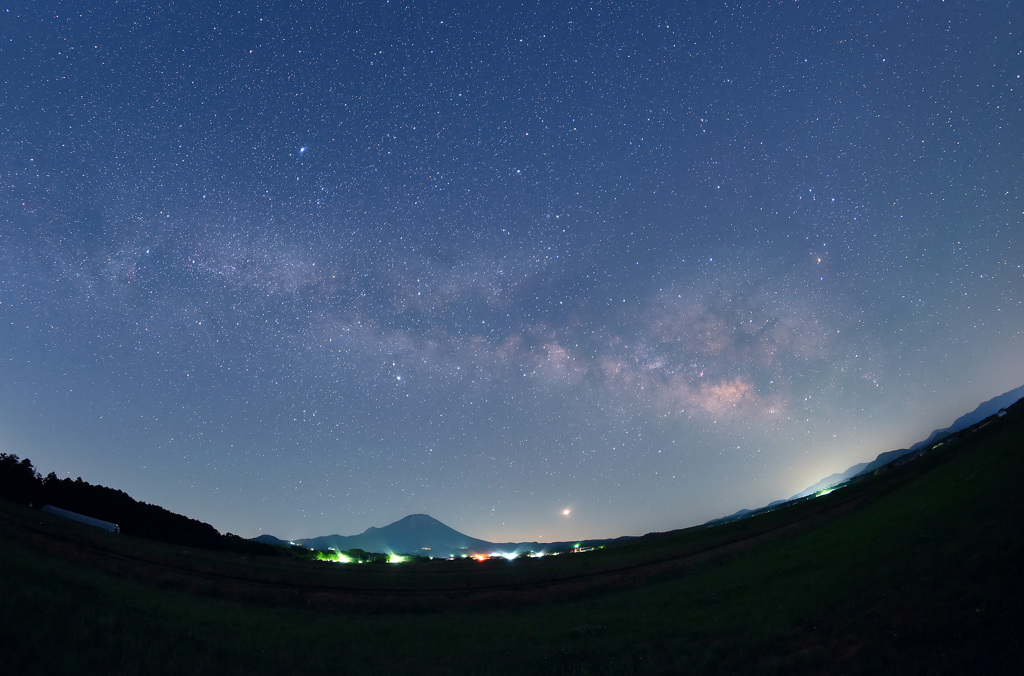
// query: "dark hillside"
[[913, 571], [21, 483]]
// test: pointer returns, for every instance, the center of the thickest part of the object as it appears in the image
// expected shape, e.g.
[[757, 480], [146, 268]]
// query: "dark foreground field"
[[917, 570]]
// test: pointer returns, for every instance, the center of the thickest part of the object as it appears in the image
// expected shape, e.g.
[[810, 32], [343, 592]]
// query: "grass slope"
[[918, 573]]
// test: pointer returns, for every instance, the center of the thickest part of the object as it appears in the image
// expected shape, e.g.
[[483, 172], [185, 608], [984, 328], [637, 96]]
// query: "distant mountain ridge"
[[423, 535], [984, 410], [988, 408]]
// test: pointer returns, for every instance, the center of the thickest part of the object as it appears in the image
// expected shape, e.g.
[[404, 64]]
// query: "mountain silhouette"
[[984, 410], [423, 535], [415, 534]]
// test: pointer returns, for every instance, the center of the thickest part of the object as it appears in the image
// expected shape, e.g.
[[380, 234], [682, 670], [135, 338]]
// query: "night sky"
[[305, 268]]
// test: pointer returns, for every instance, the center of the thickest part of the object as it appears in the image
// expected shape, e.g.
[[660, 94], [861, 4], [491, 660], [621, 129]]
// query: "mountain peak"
[[417, 519], [412, 534]]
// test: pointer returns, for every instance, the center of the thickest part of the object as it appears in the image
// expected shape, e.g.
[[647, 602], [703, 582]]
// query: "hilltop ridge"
[[982, 411]]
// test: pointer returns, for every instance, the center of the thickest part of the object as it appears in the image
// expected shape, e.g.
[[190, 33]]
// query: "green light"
[[333, 556], [397, 558]]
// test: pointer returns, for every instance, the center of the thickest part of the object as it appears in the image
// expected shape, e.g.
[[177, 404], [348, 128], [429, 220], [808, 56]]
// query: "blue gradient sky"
[[304, 268]]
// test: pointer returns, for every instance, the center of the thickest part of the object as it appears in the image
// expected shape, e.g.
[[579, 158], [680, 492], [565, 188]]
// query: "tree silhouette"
[[19, 481]]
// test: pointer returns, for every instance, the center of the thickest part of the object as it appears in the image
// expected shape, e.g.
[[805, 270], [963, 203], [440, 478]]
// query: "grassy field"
[[915, 571]]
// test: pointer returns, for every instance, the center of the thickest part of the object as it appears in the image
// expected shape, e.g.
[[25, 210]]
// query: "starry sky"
[[543, 270]]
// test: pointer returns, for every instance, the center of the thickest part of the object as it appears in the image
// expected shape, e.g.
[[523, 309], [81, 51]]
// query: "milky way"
[[543, 271]]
